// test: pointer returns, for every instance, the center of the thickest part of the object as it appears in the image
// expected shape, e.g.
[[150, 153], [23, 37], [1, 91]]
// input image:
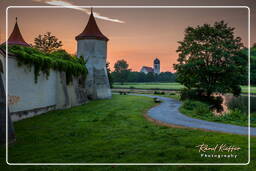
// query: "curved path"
[[168, 112]]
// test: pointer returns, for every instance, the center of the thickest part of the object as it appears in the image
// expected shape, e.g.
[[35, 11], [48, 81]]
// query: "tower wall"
[[157, 68], [95, 53]]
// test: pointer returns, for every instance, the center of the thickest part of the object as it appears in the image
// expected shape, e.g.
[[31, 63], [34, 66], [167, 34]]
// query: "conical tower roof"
[[16, 37], [91, 31]]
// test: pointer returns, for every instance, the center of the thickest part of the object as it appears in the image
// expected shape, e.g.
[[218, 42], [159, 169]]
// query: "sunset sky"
[[136, 35]]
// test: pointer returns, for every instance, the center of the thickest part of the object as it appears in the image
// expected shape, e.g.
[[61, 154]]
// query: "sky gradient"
[[143, 35]]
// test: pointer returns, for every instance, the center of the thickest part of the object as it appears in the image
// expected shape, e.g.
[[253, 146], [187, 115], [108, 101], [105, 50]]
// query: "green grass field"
[[164, 86], [115, 131]]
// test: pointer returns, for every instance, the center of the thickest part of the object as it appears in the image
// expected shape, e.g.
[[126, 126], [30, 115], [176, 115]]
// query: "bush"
[[156, 92], [197, 95], [239, 103], [234, 115], [196, 107], [189, 105], [201, 109], [189, 94]]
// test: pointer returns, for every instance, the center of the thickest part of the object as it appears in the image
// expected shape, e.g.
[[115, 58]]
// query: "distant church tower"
[[157, 66], [92, 46]]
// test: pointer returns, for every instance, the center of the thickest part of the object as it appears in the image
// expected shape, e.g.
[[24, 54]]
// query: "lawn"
[[165, 86], [116, 131]]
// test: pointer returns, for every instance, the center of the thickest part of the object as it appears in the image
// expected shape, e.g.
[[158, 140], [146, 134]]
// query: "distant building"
[[157, 66], [146, 69], [155, 69]]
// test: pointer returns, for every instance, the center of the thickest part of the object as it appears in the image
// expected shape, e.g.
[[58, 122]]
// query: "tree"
[[253, 64], [121, 71], [210, 59], [254, 45], [47, 43], [109, 75], [11, 135]]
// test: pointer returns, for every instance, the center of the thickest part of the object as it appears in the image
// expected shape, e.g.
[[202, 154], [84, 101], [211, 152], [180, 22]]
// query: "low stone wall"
[[27, 98]]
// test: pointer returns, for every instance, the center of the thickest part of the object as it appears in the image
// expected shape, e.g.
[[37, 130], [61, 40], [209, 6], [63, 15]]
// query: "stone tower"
[[92, 46], [157, 66]]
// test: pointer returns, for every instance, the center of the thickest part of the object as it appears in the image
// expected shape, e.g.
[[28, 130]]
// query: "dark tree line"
[[122, 74], [151, 77], [253, 65]]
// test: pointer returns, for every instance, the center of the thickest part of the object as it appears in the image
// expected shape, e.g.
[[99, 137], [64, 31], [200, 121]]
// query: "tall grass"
[[241, 103]]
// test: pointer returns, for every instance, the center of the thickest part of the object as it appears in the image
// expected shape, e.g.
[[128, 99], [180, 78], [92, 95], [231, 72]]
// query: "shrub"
[[188, 94], [216, 103], [189, 105], [196, 106], [201, 109], [156, 92], [197, 95], [239, 103], [234, 115]]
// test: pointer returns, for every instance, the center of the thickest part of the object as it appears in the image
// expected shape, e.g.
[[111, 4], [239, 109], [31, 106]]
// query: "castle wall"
[[95, 53], [27, 98]]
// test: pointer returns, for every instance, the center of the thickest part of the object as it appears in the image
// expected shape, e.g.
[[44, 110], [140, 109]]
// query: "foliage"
[[196, 106], [110, 79], [44, 62], [214, 102], [121, 71], [241, 103], [134, 76], [159, 92], [200, 110], [253, 65], [210, 59], [47, 42]]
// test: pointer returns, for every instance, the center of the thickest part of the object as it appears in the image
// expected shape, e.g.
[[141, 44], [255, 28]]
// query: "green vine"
[[43, 62]]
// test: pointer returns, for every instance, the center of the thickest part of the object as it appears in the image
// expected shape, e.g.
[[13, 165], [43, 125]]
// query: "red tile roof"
[[16, 37], [91, 31]]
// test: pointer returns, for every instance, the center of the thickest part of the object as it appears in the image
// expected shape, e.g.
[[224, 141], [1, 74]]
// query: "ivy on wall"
[[43, 62]]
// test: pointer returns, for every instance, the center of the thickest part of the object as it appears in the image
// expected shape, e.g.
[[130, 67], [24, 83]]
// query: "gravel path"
[[167, 112]]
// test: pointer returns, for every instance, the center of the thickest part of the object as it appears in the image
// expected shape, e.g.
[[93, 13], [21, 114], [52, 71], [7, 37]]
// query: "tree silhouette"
[[47, 42], [210, 59]]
